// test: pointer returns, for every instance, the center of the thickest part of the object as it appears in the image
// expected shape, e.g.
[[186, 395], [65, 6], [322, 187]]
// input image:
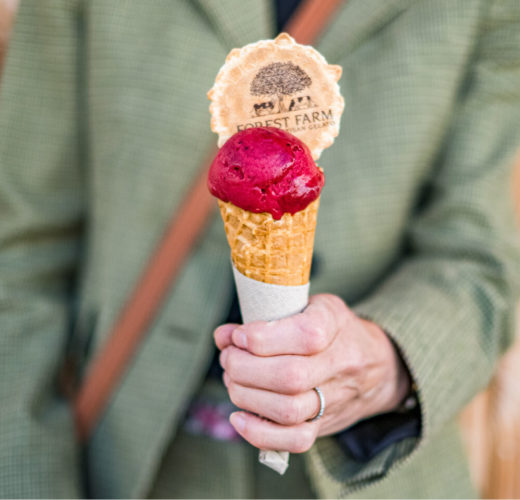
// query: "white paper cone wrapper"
[[266, 302]]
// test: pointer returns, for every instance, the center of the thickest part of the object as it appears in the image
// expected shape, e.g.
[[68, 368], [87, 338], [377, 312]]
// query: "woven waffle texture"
[[269, 250]]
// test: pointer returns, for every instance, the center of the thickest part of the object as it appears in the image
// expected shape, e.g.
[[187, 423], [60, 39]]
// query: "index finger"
[[306, 333]]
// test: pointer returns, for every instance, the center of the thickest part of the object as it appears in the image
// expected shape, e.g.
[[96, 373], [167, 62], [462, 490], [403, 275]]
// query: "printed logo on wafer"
[[278, 83]]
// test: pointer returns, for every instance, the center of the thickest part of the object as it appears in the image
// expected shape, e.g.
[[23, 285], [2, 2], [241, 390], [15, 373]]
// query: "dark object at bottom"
[[364, 440]]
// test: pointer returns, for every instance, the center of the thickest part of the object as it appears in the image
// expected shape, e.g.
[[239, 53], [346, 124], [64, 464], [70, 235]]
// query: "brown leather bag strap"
[[110, 363], [139, 311], [311, 19]]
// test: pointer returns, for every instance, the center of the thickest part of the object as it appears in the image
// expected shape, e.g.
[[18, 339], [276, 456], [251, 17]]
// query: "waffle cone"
[[270, 250]]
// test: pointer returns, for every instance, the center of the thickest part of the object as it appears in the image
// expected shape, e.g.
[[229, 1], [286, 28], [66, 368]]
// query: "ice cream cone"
[[264, 105], [269, 250]]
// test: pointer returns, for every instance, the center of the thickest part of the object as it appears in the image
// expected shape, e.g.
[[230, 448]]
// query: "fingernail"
[[240, 338], [238, 421], [219, 328]]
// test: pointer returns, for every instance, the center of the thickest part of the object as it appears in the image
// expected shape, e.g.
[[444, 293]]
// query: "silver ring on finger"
[[322, 405]]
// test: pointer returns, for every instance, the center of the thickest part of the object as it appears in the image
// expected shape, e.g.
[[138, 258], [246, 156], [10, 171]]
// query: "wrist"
[[399, 384]]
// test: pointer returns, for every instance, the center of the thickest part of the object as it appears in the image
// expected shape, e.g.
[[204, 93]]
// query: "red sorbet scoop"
[[265, 169]]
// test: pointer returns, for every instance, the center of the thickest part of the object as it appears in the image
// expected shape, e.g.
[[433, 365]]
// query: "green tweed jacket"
[[103, 124]]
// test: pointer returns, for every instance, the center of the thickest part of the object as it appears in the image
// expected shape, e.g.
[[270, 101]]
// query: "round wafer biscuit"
[[278, 83]]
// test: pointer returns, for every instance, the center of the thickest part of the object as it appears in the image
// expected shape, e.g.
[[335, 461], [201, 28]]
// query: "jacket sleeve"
[[449, 304], [40, 213]]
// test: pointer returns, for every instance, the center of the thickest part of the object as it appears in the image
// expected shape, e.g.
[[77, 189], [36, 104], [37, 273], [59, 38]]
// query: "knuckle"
[[335, 305], [294, 378], [335, 301], [315, 337], [254, 341], [291, 412], [234, 395], [331, 301], [356, 363]]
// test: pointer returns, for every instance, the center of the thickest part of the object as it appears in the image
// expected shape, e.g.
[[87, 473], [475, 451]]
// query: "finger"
[[282, 374], [268, 435], [222, 335], [307, 333], [280, 408]]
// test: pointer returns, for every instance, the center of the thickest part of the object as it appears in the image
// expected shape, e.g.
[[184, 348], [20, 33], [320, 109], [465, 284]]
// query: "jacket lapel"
[[239, 22], [253, 20], [356, 21]]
